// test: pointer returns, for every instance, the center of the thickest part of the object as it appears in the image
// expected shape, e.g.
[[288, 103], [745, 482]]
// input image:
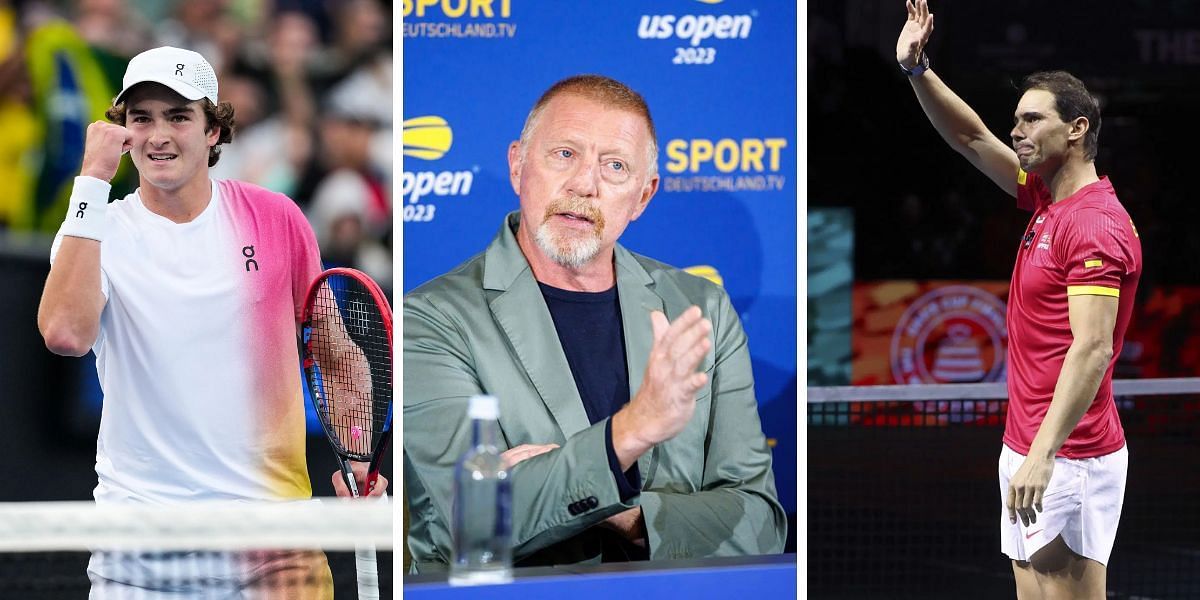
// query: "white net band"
[[984, 391], [331, 524]]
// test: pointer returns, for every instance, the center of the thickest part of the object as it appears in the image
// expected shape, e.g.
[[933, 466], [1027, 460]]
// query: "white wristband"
[[87, 212]]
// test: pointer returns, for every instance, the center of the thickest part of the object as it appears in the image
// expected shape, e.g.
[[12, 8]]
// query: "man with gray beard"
[[627, 405]]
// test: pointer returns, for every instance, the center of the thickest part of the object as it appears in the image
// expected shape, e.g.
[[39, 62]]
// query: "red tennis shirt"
[[1084, 244]]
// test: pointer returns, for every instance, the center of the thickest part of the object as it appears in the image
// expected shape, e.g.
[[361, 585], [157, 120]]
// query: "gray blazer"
[[484, 328]]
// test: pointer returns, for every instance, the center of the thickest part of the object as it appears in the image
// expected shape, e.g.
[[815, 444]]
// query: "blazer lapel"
[[521, 312]]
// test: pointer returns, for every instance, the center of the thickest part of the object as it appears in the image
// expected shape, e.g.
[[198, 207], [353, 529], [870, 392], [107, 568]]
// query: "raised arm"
[[954, 120], [69, 313]]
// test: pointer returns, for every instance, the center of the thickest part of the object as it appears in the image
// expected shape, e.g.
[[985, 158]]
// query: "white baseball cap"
[[184, 71]]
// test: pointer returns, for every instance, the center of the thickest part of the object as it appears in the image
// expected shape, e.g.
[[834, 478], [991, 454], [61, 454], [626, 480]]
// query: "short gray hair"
[[604, 90]]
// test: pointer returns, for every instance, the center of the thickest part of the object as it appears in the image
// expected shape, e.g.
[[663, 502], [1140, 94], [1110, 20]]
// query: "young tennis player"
[[188, 290]]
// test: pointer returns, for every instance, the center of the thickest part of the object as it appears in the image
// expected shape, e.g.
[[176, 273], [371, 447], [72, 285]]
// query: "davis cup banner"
[[720, 78]]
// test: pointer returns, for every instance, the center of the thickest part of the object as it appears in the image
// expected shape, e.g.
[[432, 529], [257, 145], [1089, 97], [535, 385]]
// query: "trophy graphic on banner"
[[958, 359]]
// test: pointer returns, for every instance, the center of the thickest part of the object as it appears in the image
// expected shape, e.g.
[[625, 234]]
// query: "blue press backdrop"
[[720, 78]]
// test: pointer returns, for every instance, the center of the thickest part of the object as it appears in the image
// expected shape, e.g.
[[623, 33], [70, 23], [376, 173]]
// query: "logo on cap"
[[183, 71]]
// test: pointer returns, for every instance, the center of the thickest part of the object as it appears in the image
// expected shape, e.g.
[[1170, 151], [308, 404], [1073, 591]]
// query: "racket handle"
[[377, 457], [348, 477], [368, 572]]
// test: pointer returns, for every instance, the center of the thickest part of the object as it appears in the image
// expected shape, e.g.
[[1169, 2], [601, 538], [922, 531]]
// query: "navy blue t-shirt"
[[589, 328]]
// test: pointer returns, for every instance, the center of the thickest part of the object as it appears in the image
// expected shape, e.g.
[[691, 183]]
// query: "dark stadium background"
[[905, 511]]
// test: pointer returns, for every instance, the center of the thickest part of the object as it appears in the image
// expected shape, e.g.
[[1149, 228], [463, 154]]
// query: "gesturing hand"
[[665, 402], [1026, 488], [915, 33], [102, 149]]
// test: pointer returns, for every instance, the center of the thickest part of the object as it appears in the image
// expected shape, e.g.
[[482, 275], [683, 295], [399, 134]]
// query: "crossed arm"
[[733, 509]]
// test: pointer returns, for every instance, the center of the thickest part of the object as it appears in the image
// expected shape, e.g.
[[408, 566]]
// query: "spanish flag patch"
[[1092, 263]]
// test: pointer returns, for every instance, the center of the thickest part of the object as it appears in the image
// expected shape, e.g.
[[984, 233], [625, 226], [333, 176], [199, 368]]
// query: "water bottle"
[[482, 515]]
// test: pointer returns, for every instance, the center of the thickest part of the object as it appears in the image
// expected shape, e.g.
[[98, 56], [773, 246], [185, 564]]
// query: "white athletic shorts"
[[1082, 503]]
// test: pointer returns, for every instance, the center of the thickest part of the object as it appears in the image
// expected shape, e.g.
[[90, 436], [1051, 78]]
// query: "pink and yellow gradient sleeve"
[[288, 260]]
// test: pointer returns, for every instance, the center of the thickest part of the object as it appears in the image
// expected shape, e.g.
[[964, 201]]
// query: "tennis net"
[[904, 498], [203, 550]]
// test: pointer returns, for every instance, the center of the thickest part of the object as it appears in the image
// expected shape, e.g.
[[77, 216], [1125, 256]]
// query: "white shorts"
[[1082, 503]]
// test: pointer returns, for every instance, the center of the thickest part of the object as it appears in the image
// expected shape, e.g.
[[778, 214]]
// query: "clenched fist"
[[102, 149]]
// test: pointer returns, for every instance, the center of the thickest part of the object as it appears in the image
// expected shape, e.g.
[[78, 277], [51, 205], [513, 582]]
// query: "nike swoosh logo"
[[1030, 535]]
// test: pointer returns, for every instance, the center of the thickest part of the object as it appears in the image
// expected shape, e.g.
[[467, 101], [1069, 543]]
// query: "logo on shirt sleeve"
[[1021, 174], [1092, 263]]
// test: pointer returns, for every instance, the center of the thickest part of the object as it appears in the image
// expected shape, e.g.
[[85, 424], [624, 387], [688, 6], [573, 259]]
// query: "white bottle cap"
[[484, 407]]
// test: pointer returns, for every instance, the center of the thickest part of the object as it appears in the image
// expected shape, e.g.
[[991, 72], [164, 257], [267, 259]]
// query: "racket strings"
[[351, 352]]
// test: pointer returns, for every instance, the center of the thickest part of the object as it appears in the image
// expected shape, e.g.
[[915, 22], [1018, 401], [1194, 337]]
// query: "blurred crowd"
[[310, 82]]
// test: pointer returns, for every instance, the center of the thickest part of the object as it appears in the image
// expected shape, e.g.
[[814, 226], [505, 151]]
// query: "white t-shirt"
[[197, 352]]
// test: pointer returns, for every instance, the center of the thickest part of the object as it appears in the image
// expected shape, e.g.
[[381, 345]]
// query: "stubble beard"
[[570, 249], [1028, 161]]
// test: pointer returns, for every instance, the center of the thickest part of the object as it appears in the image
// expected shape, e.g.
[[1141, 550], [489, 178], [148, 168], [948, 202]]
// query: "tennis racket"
[[346, 348]]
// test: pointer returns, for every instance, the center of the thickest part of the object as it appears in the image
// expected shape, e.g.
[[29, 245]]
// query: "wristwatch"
[[922, 65]]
